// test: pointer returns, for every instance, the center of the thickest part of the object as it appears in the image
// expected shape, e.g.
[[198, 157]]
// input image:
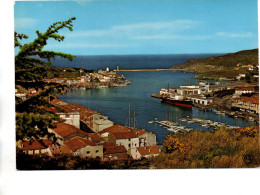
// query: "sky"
[[118, 27]]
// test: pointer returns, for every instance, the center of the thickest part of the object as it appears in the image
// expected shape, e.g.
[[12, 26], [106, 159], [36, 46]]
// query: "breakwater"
[[156, 69]]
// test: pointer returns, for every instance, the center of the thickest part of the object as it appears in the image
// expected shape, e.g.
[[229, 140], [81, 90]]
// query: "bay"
[[114, 101]]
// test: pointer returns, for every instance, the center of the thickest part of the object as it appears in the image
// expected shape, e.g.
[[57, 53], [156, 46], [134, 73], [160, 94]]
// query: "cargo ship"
[[183, 103]]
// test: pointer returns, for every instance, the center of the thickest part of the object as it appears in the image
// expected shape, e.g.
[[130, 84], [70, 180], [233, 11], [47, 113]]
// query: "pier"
[[156, 69]]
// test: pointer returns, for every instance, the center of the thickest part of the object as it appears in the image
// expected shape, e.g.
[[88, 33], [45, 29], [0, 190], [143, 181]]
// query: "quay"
[[156, 69]]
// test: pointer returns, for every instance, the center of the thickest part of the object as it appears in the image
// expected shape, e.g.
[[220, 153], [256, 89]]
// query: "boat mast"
[[134, 117], [129, 114]]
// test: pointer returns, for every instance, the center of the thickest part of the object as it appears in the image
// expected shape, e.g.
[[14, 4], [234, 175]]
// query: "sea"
[[134, 101]]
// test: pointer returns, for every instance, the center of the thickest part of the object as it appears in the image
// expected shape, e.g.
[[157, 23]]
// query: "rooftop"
[[64, 129], [78, 143], [146, 150], [36, 145]]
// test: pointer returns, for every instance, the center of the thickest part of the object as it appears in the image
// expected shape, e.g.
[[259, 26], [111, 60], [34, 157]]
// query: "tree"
[[25, 59], [31, 122], [172, 143], [34, 126]]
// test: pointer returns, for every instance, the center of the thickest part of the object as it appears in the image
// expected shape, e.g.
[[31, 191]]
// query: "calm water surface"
[[114, 102]]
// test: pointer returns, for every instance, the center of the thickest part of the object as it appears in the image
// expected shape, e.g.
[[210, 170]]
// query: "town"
[[84, 132], [237, 99]]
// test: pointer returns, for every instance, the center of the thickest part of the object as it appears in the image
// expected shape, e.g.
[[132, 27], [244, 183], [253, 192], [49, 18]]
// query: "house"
[[84, 148], [72, 118], [94, 137], [201, 99], [145, 152], [60, 150], [21, 95], [100, 122], [113, 152], [128, 139], [248, 104], [65, 132], [36, 147], [58, 102], [244, 90], [146, 138], [240, 76], [32, 91]]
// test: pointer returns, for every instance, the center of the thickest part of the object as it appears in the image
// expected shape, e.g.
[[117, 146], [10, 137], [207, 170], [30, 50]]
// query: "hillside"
[[221, 66]]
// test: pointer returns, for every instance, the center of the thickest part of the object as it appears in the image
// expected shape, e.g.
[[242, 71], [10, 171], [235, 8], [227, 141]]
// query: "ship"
[[183, 103]]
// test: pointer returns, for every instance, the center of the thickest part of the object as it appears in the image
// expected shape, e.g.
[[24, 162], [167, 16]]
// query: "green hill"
[[221, 66]]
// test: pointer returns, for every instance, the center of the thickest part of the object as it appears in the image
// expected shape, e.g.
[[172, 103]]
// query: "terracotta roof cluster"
[[147, 150], [84, 112], [112, 148], [115, 149], [250, 99], [94, 137], [125, 135], [64, 130], [123, 132], [78, 143], [36, 144]]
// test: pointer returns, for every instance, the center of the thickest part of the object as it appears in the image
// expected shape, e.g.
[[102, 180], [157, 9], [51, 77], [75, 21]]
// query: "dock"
[[156, 69]]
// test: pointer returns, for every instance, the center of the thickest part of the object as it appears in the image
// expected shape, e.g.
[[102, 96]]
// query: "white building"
[[145, 151], [101, 122]]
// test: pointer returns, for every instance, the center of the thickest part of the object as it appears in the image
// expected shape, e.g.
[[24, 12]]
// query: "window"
[[88, 152], [129, 145], [129, 139], [97, 151]]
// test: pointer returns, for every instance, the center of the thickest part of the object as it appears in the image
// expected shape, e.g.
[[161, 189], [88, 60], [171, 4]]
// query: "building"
[[113, 152], [84, 148], [145, 152], [65, 132], [21, 95], [248, 104], [201, 99], [244, 90], [146, 138], [128, 139], [72, 118], [100, 122], [36, 147]]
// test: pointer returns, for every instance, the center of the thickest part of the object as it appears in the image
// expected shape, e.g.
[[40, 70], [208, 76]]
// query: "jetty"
[[156, 69]]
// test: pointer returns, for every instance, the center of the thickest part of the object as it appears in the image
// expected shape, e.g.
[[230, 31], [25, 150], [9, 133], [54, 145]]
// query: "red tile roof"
[[36, 145], [55, 101], [118, 128], [115, 149], [78, 143], [146, 150], [94, 136], [125, 135], [245, 89], [250, 99], [140, 132], [52, 109], [64, 130]]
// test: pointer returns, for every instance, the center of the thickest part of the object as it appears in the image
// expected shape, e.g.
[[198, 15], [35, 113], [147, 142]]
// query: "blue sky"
[[106, 27]]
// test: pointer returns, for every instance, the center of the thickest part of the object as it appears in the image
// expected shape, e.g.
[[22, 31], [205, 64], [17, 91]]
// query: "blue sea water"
[[114, 101], [128, 61]]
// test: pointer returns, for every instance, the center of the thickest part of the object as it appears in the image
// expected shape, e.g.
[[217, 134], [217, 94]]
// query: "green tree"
[[25, 61], [35, 126]]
